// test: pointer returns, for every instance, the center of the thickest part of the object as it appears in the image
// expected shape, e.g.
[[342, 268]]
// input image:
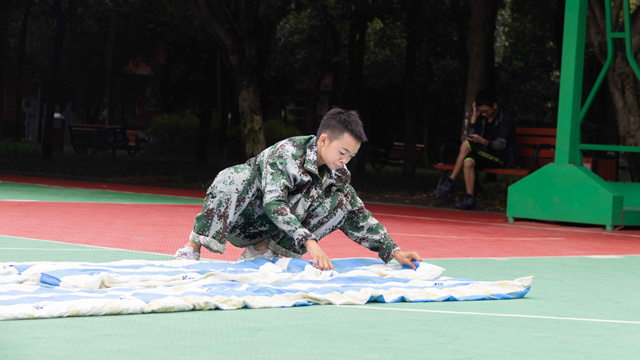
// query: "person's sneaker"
[[469, 203], [187, 253], [251, 252], [445, 189]]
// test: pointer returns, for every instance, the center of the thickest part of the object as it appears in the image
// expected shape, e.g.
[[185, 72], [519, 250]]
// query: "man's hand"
[[406, 258], [320, 259], [475, 113], [478, 139]]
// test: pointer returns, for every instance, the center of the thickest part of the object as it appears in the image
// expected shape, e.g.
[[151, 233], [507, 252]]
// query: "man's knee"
[[469, 164]]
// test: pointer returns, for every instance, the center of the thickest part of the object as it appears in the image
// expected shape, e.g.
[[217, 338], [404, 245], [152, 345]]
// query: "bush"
[[174, 129], [276, 130]]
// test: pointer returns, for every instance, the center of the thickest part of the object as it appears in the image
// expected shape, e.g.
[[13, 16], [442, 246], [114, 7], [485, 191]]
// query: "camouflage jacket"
[[291, 186]]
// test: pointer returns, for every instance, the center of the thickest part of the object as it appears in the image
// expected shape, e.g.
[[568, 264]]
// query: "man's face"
[[488, 111], [337, 153]]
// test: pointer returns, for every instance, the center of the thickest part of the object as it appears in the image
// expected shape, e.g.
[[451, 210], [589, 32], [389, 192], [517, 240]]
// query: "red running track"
[[434, 233]]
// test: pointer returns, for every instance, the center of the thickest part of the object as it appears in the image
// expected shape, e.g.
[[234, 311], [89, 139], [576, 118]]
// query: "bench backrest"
[[528, 139], [98, 135], [396, 154], [85, 134]]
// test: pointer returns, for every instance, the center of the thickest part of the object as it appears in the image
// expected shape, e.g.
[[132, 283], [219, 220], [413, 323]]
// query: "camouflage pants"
[[233, 212]]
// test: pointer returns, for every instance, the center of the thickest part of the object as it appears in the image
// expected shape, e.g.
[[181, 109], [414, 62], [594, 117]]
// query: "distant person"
[[294, 193], [486, 145]]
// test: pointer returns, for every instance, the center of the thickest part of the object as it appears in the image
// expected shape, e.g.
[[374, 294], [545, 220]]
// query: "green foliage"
[[16, 149], [276, 130], [527, 59], [174, 129], [304, 45], [383, 65], [441, 66], [311, 44]]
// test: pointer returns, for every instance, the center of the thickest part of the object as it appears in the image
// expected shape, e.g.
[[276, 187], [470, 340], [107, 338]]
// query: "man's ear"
[[324, 139]]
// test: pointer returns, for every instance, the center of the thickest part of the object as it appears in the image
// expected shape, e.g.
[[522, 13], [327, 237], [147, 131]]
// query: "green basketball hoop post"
[[565, 190]]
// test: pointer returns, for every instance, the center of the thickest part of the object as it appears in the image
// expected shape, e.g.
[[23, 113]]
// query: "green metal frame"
[[565, 190]]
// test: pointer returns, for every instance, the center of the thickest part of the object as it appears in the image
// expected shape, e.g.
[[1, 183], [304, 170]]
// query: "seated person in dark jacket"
[[486, 145]]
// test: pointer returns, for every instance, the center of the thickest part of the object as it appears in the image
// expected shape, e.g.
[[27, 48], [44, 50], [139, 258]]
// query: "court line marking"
[[478, 238], [494, 314], [111, 190], [599, 231], [93, 247], [534, 257], [49, 249], [98, 203]]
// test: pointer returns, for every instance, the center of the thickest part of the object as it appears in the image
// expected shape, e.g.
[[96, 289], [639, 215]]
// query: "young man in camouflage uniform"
[[294, 193]]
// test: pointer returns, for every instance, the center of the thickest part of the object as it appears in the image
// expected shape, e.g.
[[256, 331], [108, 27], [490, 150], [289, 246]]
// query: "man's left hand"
[[477, 139], [406, 258]]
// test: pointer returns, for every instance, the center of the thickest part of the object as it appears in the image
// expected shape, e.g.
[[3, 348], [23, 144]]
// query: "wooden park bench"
[[393, 155], [535, 147], [94, 138]]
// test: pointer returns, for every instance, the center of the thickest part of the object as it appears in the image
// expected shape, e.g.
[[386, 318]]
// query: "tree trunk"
[[224, 95], [3, 33], [622, 81], [53, 89], [355, 75], [623, 88], [249, 69], [166, 86], [18, 128], [251, 116], [78, 98], [357, 38], [210, 83], [107, 110], [243, 31], [336, 68], [482, 28], [410, 91]]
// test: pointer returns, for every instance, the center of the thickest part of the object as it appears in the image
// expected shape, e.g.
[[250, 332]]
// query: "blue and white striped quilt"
[[58, 289]]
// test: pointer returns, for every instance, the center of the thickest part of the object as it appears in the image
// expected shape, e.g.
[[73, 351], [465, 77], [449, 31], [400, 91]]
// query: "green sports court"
[[583, 302]]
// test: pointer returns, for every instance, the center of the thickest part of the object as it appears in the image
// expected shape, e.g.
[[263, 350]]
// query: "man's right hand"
[[475, 113], [320, 259]]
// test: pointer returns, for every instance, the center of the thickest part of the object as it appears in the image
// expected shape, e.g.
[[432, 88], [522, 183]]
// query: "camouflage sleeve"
[[278, 177], [361, 227]]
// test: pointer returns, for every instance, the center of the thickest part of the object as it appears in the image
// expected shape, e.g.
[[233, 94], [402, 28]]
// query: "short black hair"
[[485, 97], [338, 121]]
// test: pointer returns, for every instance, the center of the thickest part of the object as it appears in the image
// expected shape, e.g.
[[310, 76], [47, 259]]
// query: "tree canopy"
[[404, 65]]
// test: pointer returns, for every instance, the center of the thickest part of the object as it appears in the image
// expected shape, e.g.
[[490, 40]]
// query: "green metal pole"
[[571, 71], [607, 64]]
